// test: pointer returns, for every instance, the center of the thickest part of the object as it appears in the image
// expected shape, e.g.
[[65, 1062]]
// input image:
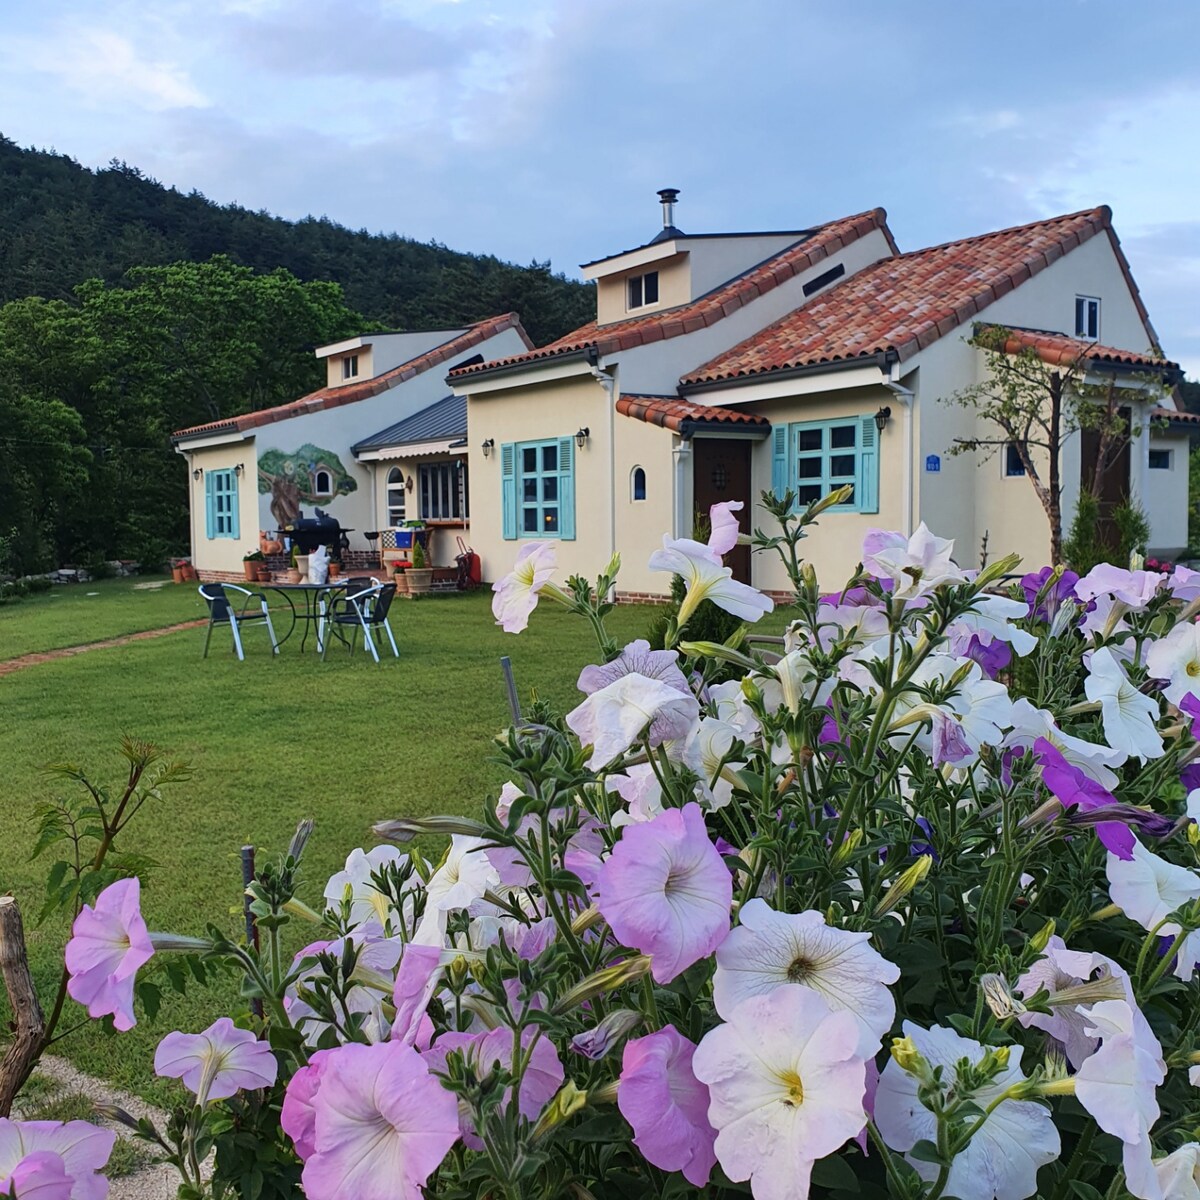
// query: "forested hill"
[[61, 224]]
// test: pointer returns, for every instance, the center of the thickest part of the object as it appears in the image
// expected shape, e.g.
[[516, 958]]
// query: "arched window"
[[322, 483], [637, 484], [395, 497]]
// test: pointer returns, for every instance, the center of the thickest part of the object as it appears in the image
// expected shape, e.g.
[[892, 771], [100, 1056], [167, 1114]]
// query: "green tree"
[[1035, 407]]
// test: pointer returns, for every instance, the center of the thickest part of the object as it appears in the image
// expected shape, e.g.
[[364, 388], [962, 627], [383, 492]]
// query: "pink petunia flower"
[[724, 527], [666, 892], [28, 1150], [542, 1078], [217, 1063], [667, 1105], [786, 1084], [417, 979], [109, 943], [299, 1116], [382, 1125]]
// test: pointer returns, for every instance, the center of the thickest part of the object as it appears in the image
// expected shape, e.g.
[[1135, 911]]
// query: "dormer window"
[[350, 366], [1087, 318], [643, 290]]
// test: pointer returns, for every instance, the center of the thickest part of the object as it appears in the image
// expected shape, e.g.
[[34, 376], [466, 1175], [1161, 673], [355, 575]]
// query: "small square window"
[[842, 466], [841, 437], [1013, 466], [643, 289], [808, 492], [809, 439], [1160, 460], [1087, 318], [350, 366], [529, 459], [549, 458]]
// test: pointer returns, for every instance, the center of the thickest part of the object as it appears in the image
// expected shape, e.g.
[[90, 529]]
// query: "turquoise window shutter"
[[508, 489], [234, 516], [566, 489], [779, 460], [866, 497], [210, 505]]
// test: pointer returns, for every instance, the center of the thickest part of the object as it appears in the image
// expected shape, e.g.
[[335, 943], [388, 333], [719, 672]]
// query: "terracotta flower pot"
[[401, 582], [177, 574], [293, 575], [335, 570], [263, 575], [250, 568], [189, 573]]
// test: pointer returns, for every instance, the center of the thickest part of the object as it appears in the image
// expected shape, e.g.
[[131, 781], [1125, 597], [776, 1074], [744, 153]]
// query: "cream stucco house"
[[372, 448], [720, 366]]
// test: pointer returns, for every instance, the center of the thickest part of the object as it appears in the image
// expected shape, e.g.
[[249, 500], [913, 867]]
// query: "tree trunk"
[[1054, 438], [28, 1023]]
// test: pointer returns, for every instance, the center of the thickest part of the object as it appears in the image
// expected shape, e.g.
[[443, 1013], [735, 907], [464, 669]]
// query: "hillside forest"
[[129, 310]]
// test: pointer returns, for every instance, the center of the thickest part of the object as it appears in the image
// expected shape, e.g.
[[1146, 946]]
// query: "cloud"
[[105, 68]]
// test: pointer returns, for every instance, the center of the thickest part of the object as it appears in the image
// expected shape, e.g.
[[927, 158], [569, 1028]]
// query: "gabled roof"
[[900, 305], [444, 420], [708, 309], [685, 417], [1175, 416], [1057, 349], [348, 393]]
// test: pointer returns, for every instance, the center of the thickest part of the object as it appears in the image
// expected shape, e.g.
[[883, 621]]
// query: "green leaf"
[[925, 1151], [835, 1174]]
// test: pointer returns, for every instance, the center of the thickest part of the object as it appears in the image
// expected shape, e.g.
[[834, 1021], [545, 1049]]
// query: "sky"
[[541, 129]]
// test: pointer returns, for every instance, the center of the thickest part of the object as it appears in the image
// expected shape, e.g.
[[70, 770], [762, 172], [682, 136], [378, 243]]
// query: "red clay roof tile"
[[903, 304], [335, 397], [681, 416], [1059, 350], [709, 308]]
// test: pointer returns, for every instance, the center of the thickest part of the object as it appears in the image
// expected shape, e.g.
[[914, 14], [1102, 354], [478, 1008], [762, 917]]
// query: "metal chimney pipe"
[[668, 196]]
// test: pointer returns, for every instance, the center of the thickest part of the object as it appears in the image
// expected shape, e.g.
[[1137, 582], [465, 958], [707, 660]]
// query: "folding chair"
[[365, 609], [221, 612]]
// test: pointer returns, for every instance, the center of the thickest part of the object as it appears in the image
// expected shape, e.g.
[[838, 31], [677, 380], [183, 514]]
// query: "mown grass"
[[270, 742], [78, 613]]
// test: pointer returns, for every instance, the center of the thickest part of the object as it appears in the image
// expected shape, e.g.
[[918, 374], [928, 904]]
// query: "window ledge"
[[444, 523]]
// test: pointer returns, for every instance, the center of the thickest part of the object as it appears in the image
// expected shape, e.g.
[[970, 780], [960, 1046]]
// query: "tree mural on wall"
[[310, 474]]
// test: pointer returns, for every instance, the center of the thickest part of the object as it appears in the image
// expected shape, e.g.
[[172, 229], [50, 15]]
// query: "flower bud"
[[837, 496], [850, 843], [721, 652], [614, 566], [605, 980], [907, 880], [999, 997], [178, 941], [566, 1103], [588, 919], [910, 1059], [297, 908], [596, 1042], [996, 570], [404, 829], [1041, 939]]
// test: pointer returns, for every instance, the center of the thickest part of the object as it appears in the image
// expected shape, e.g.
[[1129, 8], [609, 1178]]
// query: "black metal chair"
[[221, 612], [361, 608]]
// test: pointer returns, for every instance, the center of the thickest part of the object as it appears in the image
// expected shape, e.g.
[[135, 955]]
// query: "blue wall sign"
[[933, 463]]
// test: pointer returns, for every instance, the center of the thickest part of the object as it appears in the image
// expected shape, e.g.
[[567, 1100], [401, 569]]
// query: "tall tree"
[[1035, 407]]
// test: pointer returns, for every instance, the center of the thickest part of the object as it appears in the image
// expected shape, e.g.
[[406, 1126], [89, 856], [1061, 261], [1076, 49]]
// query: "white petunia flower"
[[463, 877], [728, 703], [1095, 761], [613, 718], [516, 595], [991, 619], [915, 565], [1147, 889], [1003, 1158], [707, 579], [1176, 658], [1127, 714], [786, 1087], [353, 882], [769, 950], [1177, 1177], [705, 753]]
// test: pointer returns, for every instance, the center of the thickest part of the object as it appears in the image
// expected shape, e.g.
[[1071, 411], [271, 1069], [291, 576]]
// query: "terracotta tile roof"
[[1175, 416], [709, 308], [683, 416], [335, 397], [900, 305], [1059, 350]]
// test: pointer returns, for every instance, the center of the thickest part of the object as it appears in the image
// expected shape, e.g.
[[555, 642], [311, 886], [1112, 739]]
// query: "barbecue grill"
[[307, 533]]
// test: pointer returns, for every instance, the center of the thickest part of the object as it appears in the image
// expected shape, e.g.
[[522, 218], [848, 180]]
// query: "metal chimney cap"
[[668, 195]]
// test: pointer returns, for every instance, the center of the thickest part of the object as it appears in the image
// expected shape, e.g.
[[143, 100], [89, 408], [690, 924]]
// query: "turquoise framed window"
[[221, 503], [814, 458], [538, 483]]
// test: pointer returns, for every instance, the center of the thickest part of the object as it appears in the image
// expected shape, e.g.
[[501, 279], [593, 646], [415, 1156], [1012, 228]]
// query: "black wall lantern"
[[882, 417], [582, 436], [488, 446], [198, 473]]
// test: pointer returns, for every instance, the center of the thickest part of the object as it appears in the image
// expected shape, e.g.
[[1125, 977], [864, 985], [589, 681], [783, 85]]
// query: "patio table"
[[315, 598]]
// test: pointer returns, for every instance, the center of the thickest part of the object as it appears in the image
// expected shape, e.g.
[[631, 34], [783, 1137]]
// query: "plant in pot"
[[294, 574], [400, 579], [251, 565], [420, 574], [335, 566]]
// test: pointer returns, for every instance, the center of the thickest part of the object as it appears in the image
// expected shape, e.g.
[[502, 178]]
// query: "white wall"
[[1166, 496]]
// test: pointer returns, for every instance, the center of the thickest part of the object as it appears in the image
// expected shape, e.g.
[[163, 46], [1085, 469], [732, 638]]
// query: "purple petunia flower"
[[992, 658], [1051, 601]]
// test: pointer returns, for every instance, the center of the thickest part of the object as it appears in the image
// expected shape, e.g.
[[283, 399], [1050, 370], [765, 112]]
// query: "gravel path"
[[152, 1182]]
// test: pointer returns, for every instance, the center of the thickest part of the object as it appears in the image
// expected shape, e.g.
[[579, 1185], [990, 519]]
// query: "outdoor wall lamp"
[[882, 417], [198, 473], [487, 446], [238, 469], [408, 484], [582, 436]]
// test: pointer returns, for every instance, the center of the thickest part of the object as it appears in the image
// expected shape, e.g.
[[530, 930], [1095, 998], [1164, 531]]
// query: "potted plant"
[[250, 564], [189, 572], [420, 575], [400, 578], [294, 575]]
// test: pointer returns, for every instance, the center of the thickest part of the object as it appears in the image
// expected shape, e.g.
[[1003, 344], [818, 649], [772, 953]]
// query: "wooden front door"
[[721, 471], [1114, 476]]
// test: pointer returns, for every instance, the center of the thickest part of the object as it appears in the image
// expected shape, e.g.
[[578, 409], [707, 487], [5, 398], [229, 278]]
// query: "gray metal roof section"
[[444, 419]]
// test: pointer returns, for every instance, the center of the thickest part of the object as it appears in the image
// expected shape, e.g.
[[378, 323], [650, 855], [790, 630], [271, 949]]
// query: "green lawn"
[[92, 612], [271, 741]]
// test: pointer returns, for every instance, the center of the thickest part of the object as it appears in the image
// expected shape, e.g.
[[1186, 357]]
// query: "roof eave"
[[525, 366], [881, 359]]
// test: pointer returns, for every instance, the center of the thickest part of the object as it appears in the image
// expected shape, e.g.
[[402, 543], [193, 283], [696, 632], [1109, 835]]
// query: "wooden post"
[[29, 1025]]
